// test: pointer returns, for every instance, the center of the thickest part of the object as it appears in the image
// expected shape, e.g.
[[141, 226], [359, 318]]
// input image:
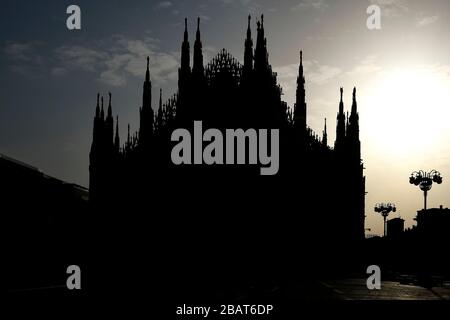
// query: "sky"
[[50, 75]]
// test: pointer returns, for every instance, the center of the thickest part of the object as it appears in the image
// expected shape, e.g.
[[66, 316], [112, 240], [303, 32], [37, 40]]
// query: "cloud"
[[80, 57], [323, 102], [425, 21], [112, 77], [113, 73], [58, 71], [320, 74], [20, 51], [25, 58], [164, 4], [391, 8], [287, 75], [242, 2], [204, 17], [209, 52], [249, 6], [367, 65], [441, 71], [310, 4], [118, 59]]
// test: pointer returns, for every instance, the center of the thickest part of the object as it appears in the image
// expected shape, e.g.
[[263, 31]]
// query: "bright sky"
[[50, 76]]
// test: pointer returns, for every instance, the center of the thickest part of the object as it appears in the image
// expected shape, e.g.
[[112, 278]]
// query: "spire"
[[109, 125], [128, 136], [109, 106], [261, 55], [147, 73], [341, 125], [117, 139], [185, 30], [249, 31], [102, 112], [159, 115], [185, 51], [353, 129], [248, 50], [198, 54], [97, 108], [300, 104], [300, 69], [197, 35], [96, 123], [354, 104], [354, 117], [325, 134], [146, 111], [147, 93]]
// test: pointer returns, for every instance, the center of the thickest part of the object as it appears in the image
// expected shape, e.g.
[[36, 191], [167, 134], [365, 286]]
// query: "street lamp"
[[425, 181], [385, 209]]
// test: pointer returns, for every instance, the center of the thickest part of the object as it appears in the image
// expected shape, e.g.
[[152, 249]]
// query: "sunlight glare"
[[408, 111]]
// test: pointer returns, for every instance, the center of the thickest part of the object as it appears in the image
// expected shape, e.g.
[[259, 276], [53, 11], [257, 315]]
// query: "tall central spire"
[[147, 92], [109, 106], [147, 73], [102, 111], [261, 55], [325, 134], [300, 105], [197, 67], [248, 51], [109, 124], [185, 30], [97, 108], [197, 34], [353, 127], [185, 51], [340, 128], [116, 138], [262, 26], [249, 31], [146, 111], [301, 62], [354, 104]]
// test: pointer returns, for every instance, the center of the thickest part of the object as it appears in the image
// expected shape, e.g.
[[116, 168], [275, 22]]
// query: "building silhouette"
[[433, 222], [395, 227], [415, 255], [39, 212], [315, 203]]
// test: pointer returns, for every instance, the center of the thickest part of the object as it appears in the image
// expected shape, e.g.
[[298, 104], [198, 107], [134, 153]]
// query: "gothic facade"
[[318, 193]]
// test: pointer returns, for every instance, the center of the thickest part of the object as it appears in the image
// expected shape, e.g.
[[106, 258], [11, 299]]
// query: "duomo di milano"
[[318, 192]]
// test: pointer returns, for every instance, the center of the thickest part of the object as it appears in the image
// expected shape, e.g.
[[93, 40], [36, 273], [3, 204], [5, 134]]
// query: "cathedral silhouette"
[[311, 211]]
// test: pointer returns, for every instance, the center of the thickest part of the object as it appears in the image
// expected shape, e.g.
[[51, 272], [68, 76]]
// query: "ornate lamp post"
[[425, 181], [385, 209]]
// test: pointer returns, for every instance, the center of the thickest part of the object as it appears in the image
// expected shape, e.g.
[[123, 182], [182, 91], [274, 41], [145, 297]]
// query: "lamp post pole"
[[425, 181], [385, 209]]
